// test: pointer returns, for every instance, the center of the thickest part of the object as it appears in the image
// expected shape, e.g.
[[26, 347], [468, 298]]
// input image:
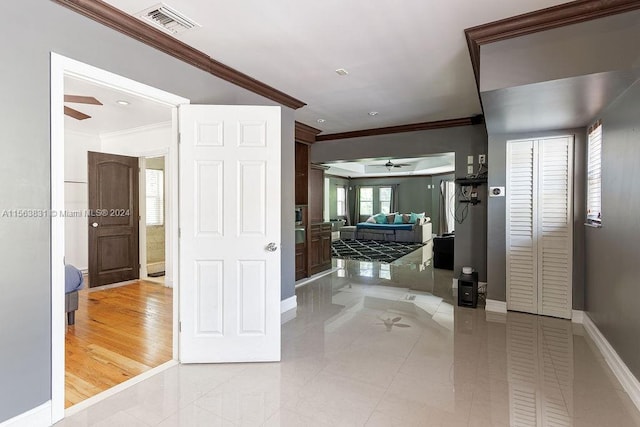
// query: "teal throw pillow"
[[380, 218], [398, 219], [414, 217]]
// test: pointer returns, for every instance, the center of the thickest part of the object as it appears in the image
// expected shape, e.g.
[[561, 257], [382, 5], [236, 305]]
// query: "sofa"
[[73, 282], [414, 228]]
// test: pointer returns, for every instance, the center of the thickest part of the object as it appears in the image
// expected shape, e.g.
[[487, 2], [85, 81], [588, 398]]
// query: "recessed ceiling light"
[[373, 113], [122, 102], [321, 120], [342, 72]]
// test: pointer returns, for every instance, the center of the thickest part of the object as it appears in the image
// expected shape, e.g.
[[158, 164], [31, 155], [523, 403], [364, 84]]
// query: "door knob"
[[272, 247], [94, 225]]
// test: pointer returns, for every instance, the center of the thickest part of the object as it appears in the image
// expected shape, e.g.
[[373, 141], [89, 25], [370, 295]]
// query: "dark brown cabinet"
[[314, 255], [302, 174], [319, 248], [301, 261]]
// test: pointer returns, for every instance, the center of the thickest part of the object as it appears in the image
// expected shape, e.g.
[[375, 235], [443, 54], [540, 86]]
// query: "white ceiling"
[[429, 165], [406, 60], [111, 117]]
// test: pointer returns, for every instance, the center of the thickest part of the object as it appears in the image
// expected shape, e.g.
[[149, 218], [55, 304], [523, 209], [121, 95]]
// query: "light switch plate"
[[470, 169], [482, 159], [469, 160], [496, 191]]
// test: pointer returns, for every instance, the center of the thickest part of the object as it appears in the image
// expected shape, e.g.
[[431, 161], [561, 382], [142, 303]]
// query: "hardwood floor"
[[118, 334]]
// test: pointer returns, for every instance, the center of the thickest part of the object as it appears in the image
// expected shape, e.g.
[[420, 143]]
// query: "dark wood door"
[[113, 219]]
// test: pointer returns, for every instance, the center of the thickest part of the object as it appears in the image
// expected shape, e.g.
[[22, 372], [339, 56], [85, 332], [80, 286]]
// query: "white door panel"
[[539, 226], [229, 213]]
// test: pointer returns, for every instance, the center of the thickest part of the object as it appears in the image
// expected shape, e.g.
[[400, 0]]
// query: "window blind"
[[155, 197], [594, 174]]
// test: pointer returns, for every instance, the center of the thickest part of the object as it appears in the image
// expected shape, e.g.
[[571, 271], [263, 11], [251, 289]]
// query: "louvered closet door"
[[522, 288], [539, 226], [555, 235]]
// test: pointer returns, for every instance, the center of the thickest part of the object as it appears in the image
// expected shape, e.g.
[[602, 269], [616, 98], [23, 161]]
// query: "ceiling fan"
[[390, 165], [78, 99]]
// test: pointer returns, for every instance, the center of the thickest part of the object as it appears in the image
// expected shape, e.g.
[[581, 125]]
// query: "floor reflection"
[[386, 345], [397, 326]]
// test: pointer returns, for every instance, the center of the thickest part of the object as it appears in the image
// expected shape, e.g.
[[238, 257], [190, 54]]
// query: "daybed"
[[417, 232], [73, 282]]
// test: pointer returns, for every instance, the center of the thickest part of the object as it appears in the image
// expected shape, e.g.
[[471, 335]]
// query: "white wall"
[[139, 142], [76, 146]]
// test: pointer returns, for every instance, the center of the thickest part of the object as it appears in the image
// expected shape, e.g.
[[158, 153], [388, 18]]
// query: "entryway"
[[228, 239], [115, 217]]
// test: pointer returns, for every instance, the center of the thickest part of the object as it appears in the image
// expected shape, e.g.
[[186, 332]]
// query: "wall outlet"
[[482, 159], [470, 169], [496, 191], [469, 160]]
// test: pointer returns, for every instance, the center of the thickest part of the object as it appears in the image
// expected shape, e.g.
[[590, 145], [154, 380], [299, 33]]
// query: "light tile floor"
[[386, 345]]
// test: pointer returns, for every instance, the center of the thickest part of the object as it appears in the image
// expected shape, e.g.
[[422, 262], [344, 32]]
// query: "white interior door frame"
[[60, 67]]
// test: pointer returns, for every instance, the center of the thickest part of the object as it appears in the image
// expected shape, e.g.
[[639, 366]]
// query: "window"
[[385, 199], [155, 197], [594, 174], [341, 197], [366, 201]]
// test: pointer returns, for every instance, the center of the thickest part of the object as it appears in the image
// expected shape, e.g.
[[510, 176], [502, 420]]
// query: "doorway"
[[62, 68]]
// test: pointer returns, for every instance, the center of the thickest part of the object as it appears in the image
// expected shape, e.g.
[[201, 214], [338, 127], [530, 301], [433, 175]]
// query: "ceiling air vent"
[[167, 19]]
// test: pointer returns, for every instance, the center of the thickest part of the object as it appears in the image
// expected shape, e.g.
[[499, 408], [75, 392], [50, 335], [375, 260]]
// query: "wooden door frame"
[[60, 67]]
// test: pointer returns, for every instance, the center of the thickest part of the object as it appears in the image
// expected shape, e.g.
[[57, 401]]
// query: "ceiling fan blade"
[[75, 114], [82, 99]]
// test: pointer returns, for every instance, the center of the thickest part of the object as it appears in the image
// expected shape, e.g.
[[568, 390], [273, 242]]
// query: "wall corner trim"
[[38, 416], [577, 316], [288, 304], [628, 381], [496, 306]]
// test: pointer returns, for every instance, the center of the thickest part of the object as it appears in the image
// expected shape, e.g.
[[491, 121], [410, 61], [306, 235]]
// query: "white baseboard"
[[628, 381], [496, 306], [36, 417], [288, 304], [288, 309], [577, 316], [308, 280]]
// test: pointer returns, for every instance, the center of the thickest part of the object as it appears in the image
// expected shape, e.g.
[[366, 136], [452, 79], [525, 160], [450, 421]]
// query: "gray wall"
[[496, 244], [612, 253], [471, 235], [565, 52], [25, 362], [413, 194]]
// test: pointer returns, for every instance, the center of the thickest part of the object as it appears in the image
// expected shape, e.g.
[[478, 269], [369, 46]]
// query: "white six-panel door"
[[539, 238], [229, 233]]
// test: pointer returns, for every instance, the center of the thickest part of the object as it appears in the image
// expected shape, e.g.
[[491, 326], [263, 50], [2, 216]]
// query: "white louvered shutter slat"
[[521, 250], [539, 228], [555, 227]]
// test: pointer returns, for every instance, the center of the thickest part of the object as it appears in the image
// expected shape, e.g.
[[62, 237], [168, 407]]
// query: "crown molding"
[[305, 133], [464, 121], [541, 20], [114, 18], [136, 130]]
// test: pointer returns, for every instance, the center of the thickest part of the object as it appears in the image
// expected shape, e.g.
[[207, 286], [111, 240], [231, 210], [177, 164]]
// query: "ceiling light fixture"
[[342, 72], [373, 113], [122, 102], [321, 120]]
